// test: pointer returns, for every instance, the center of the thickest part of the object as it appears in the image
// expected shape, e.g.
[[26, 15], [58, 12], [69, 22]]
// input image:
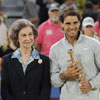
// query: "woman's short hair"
[[17, 26]]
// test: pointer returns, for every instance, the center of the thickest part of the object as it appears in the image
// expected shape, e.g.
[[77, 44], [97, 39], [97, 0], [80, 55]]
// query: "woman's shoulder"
[[44, 57]]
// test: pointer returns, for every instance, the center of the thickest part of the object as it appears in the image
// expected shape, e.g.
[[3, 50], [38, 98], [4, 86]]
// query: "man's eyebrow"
[[76, 22], [67, 22]]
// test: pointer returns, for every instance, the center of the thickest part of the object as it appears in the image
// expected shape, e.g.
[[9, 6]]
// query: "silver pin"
[[40, 61]]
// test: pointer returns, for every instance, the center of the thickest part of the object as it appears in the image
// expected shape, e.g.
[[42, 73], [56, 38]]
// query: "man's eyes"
[[75, 22], [68, 23]]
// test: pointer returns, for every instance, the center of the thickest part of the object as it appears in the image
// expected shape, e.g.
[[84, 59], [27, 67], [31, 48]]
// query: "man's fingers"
[[80, 69]]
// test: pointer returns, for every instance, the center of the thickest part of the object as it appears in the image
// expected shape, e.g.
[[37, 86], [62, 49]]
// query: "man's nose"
[[72, 26]]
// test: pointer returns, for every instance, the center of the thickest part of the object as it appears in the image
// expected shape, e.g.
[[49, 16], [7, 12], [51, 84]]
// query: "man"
[[31, 12], [67, 4], [88, 28], [96, 5], [88, 11], [80, 5], [50, 31], [69, 54], [59, 1], [43, 9]]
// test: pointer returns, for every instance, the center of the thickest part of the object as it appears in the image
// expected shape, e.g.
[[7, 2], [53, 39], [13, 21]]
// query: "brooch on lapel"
[[40, 61]]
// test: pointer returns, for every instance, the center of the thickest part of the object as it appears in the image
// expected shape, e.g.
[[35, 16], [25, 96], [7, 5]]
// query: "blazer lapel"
[[31, 67], [33, 64]]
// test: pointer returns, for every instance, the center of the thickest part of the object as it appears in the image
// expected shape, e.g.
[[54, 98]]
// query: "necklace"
[[24, 54]]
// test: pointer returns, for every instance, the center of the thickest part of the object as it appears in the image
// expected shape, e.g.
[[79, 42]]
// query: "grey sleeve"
[[32, 8], [95, 82]]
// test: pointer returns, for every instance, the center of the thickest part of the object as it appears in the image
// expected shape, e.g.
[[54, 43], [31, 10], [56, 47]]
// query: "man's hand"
[[85, 86], [72, 71]]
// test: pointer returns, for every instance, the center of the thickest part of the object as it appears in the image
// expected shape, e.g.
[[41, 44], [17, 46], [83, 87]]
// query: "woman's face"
[[88, 30], [26, 37]]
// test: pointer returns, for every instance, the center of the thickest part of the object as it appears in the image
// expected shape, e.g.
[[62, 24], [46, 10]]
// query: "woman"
[[25, 73], [88, 28], [7, 47]]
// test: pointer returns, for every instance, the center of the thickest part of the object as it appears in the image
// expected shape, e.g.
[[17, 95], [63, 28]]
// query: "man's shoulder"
[[58, 44], [43, 24], [92, 41]]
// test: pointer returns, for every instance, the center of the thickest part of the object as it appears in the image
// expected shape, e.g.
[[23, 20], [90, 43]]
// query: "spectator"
[[49, 32], [59, 1], [31, 12], [5, 48], [96, 6], [3, 31], [80, 5], [43, 9], [2, 14], [88, 28], [89, 11], [68, 3], [97, 26]]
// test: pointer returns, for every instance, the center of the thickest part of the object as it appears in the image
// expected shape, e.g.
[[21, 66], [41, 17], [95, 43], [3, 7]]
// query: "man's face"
[[54, 15], [71, 26], [96, 7], [88, 30]]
